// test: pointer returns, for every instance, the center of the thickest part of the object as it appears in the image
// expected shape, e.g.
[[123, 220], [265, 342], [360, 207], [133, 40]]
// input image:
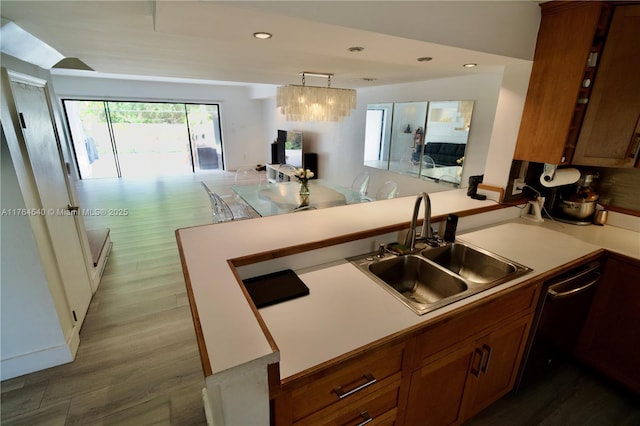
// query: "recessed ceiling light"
[[425, 59], [470, 65], [355, 49], [262, 35]]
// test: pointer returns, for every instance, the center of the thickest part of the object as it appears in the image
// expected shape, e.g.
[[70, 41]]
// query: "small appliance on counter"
[[574, 203]]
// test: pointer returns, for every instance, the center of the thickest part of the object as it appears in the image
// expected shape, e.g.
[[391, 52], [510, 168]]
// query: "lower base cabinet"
[[452, 387], [611, 334], [439, 375]]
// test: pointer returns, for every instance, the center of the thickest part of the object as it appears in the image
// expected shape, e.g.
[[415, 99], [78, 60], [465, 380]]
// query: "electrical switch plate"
[[518, 185]]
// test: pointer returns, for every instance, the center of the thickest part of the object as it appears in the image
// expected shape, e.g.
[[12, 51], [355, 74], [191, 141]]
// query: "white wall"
[[241, 116], [29, 319]]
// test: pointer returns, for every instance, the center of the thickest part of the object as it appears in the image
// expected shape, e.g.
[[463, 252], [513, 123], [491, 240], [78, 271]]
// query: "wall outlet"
[[518, 186]]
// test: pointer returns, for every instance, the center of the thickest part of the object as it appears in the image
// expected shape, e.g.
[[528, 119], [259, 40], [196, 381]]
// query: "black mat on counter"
[[274, 288]]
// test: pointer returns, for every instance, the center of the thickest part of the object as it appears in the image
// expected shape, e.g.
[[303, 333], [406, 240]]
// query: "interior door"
[[46, 165]]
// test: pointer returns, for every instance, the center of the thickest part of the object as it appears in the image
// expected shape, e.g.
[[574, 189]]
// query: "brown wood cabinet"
[[610, 341], [363, 387], [455, 383], [441, 373], [583, 102], [554, 102], [610, 135]]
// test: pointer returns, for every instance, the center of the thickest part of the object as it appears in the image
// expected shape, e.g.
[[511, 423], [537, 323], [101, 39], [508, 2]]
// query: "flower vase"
[[304, 189]]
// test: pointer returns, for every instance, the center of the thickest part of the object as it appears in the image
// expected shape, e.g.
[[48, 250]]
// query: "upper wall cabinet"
[[610, 135], [570, 51]]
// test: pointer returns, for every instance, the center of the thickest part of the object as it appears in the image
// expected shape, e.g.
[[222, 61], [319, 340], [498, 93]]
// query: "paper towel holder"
[[548, 172], [552, 176]]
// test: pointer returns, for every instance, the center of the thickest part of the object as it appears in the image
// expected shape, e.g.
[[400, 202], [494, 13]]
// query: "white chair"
[[360, 183], [285, 168], [224, 211], [387, 191], [427, 162], [248, 176]]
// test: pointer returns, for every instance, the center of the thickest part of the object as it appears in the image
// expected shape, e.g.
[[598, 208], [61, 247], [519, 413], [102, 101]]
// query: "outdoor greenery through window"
[[144, 139]]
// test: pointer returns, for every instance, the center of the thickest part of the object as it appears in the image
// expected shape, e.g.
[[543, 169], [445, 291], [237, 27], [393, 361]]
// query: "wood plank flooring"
[[571, 395], [138, 360]]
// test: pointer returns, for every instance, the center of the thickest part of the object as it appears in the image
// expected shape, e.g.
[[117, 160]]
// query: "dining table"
[[269, 199]]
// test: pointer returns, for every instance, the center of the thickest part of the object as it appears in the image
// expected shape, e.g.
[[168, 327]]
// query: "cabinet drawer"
[[358, 377], [475, 320], [373, 409]]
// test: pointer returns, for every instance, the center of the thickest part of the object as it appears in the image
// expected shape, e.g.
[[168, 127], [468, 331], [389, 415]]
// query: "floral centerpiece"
[[303, 176]]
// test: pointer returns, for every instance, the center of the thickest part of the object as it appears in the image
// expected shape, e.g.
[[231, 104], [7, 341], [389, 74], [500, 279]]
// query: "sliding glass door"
[[143, 139]]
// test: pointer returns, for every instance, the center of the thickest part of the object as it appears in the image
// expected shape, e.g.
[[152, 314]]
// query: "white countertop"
[[345, 309]]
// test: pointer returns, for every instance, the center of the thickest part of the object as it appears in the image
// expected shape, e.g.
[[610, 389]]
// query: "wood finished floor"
[[138, 361], [571, 395]]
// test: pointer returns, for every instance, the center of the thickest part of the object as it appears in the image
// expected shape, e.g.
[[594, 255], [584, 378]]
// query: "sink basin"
[[416, 279], [438, 276], [472, 264]]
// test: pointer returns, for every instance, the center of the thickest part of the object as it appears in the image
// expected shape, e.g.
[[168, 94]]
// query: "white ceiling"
[[212, 40]]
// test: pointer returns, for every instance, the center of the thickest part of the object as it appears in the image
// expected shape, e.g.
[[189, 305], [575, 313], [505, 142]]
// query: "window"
[[144, 139]]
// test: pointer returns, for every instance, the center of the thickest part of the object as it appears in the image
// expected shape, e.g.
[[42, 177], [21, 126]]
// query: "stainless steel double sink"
[[434, 277]]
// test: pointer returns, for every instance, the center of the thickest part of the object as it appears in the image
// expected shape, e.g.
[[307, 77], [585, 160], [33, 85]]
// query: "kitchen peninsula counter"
[[345, 309]]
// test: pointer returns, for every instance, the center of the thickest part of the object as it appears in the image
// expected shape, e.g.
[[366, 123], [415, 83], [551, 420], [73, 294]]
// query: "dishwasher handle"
[[558, 295]]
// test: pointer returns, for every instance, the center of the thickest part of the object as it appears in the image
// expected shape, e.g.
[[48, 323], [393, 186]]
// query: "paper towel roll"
[[560, 177]]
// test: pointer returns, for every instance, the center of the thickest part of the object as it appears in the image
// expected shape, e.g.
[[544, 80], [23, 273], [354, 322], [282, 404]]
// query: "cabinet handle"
[[366, 418], [369, 380], [633, 153], [476, 371], [489, 350]]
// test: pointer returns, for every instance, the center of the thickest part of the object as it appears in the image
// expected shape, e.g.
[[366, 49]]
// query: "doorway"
[[114, 139]]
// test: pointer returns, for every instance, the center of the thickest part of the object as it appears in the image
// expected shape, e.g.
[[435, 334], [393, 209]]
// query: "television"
[[290, 147]]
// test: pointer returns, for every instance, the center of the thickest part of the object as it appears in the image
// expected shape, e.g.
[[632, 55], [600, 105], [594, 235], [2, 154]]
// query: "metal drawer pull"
[[571, 292], [367, 418], [489, 351], [476, 371], [342, 394]]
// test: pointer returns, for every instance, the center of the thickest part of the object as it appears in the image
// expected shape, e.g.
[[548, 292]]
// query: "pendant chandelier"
[[313, 103]]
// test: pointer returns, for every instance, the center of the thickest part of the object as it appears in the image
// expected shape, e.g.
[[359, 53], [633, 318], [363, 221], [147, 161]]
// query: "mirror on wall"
[[422, 139]]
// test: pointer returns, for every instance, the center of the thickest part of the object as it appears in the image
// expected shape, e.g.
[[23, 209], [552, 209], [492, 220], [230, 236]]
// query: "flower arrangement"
[[303, 176]]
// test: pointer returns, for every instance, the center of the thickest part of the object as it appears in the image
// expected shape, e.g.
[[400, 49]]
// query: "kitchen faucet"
[[426, 234]]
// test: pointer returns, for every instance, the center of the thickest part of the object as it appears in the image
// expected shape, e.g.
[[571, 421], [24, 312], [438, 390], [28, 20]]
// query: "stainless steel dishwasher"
[[562, 309]]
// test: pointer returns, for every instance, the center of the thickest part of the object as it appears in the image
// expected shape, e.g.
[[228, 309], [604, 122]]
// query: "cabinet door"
[[564, 41], [610, 132], [496, 371], [435, 395], [610, 336]]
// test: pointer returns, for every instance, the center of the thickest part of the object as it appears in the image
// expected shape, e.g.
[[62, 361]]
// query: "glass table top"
[[284, 197]]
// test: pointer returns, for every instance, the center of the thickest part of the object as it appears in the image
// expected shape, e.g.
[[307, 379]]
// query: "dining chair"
[[286, 168], [388, 190], [248, 176], [360, 183], [229, 209], [427, 162]]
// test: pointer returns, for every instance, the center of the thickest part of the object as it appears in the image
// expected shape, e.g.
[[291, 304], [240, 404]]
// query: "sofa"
[[442, 153]]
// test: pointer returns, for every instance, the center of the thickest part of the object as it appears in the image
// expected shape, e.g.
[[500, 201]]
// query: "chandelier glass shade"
[[313, 103]]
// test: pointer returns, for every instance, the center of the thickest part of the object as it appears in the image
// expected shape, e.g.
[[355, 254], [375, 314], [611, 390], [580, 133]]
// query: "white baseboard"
[[42, 359]]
